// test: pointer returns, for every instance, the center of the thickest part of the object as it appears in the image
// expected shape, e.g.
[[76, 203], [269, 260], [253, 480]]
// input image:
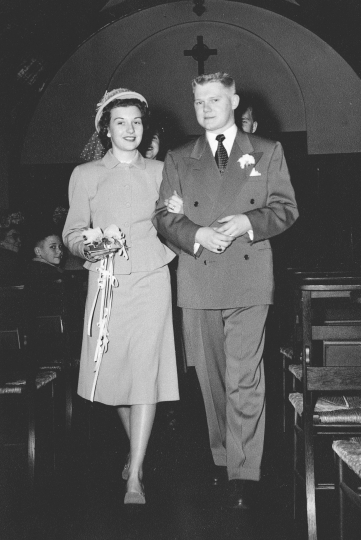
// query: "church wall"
[[310, 93], [305, 82]]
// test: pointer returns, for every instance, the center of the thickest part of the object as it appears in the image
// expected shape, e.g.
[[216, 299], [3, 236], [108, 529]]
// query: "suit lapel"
[[203, 175], [213, 191], [234, 178]]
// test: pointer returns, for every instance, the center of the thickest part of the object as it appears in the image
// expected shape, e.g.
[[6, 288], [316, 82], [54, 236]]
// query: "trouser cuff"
[[244, 474]]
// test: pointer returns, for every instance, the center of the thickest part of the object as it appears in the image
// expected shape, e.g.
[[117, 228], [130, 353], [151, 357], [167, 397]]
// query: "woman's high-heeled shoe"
[[125, 471]]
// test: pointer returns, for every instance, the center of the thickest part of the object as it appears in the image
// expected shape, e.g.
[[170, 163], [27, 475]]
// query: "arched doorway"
[[309, 90]]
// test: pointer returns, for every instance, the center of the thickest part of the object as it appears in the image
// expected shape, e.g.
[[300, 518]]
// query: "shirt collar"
[[110, 161], [230, 135]]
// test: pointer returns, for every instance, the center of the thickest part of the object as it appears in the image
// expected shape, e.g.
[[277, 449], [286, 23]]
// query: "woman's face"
[[12, 240], [125, 128], [153, 149], [50, 250]]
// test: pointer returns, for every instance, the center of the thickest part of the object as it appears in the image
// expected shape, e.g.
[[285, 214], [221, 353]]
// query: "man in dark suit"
[[236, 194]]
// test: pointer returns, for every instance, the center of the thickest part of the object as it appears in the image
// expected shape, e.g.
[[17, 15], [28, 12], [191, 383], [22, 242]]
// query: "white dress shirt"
[[230, 135]]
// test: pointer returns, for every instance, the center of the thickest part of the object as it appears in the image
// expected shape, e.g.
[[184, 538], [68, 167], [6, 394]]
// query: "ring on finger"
[[219, 248]]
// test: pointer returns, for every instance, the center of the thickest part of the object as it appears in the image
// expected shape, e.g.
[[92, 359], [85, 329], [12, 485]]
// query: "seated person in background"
[[44, 290], [11, 267], [48, 249], [44, 272], [154, 144], [249, 122]]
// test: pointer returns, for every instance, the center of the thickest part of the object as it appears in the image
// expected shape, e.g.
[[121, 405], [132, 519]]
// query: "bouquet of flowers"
[[103, 243]]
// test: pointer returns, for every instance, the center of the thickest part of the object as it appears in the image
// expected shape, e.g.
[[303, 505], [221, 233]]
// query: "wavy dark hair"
[[105, 117]]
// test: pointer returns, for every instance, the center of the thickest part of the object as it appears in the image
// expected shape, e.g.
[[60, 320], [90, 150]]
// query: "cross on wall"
[[200, 52]]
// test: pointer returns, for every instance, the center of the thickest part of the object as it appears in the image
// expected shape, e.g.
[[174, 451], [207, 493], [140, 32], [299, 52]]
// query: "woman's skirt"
[[139, 366]]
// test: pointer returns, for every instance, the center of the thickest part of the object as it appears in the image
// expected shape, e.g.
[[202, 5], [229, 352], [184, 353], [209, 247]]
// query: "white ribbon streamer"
[[106, 282]]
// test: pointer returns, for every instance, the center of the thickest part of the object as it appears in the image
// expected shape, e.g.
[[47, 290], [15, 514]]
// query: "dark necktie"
[[221, 154]]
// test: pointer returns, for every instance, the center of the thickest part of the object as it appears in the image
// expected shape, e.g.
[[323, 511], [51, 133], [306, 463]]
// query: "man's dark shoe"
[[218, 476], [239, 494]]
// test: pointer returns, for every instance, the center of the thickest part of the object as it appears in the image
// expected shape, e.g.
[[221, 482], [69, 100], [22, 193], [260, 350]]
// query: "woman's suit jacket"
[[243, 274], [106, 191]]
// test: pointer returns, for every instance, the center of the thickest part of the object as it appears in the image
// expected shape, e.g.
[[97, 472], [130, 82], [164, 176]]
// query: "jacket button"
[[252, 201], [204, 262], [196, 203], [246, 257]]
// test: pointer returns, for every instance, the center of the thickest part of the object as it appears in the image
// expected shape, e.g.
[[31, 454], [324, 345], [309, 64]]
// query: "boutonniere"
[[246, 160]]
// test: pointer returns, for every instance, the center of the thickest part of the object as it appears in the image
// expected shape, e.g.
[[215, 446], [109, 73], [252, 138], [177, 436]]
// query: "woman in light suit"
[[139, 368]]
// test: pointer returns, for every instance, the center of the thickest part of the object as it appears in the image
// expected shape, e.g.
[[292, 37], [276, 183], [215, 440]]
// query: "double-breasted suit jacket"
[[224, 296], [243, 274]]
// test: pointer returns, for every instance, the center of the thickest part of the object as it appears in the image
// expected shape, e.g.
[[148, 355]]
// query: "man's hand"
[[234, 225], [213, 240]]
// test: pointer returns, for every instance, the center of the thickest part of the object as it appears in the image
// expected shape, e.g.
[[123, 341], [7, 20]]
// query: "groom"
[[237, 194]]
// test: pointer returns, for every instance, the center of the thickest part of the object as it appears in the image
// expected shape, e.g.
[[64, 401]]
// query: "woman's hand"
[[174, 204]]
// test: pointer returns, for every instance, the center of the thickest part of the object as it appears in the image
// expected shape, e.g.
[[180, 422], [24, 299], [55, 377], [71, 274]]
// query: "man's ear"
[[254, 127], [235, 101], [37, 251]]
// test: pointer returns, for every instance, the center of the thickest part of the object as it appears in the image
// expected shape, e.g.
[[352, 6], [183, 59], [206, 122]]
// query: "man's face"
[[214, 105], [248, 125], [153, 149]]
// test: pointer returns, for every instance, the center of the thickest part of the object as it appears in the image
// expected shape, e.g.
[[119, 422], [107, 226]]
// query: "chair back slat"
[[334, 379], [336, 332]]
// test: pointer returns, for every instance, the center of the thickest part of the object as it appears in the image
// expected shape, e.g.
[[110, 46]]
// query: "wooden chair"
[[22, 384], [54, 353], [318, 413], [24, 379], [332, 312], [50, 332], [291, 332], [322, 384], [348, 458]]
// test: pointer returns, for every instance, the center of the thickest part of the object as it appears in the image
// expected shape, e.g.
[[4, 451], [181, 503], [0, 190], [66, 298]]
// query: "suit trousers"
[[226, 347]]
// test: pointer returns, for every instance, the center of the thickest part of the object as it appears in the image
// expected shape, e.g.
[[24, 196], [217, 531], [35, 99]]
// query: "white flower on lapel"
[[246, 160], [255, 173]]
